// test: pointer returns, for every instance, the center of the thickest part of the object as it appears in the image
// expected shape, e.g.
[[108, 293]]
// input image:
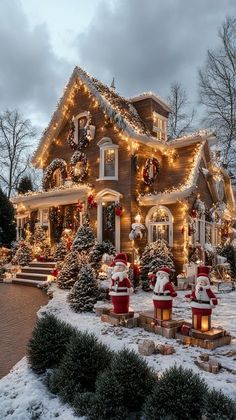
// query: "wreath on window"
[[47, 177], [85, 132], [76, 158], [151, 170]]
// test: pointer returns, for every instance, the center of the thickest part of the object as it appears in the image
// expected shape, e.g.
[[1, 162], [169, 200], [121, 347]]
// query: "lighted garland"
[[151, 171], [79, 157], [47, 177], [114, 209]]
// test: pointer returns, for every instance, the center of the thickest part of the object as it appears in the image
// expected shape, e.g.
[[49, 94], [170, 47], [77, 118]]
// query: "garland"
[[151, 170], [79, 157], [84, 135], [47, 177], [115, 209]]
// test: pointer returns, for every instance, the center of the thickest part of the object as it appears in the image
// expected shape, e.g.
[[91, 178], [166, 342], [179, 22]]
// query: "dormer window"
[[108, 168], [159, 126]]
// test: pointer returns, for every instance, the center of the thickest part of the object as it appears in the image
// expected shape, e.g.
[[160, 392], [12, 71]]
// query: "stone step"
[[42, 264], [37, 270], [32, 276], [25, 282]]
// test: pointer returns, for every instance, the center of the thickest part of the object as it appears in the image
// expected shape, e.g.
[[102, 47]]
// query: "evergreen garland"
[[84, 293], [156, 255]]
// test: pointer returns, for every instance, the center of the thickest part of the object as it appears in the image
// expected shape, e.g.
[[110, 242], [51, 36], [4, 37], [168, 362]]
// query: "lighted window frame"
[[160, 126], [156, 227], [105, 146], [57, 178]]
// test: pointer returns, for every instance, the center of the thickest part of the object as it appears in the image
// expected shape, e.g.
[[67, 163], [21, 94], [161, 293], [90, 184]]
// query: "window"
[[57, 178], [108, 168], [45, 217], [159, 126], [159, 222]]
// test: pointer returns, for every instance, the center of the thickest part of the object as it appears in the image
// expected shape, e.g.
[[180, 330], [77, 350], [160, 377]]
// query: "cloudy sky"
[[145, 45]]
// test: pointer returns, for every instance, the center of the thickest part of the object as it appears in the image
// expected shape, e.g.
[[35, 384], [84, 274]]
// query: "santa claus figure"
[[121, 287], [163, 294], [202, 301]]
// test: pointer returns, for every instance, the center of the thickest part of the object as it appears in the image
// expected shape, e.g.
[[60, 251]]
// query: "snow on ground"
[[22, 390]]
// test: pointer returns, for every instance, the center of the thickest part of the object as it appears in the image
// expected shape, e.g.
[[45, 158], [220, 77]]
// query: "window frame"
[[106, 144], [157, 130], [168, 223]]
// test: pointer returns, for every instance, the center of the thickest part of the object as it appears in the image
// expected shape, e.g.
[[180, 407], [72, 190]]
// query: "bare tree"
[[181, 119], [15, 136], [218, 91]]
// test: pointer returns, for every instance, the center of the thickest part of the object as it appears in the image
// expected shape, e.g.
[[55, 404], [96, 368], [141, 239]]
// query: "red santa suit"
[[163, 292], [202, 300], [121, 287]]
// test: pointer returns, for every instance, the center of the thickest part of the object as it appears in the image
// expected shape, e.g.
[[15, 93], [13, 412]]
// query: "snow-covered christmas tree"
[[23, 254], [70, 269], [155, 255], [97, 252], [61, 251], [85, 292], [84, 238], [40, 240]]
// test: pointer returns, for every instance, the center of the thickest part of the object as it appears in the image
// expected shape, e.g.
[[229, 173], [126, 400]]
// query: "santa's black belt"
[[161, 294], [119, 291], [201, 301]]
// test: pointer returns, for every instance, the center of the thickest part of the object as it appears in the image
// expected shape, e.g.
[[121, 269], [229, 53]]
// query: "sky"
[[145, 44]]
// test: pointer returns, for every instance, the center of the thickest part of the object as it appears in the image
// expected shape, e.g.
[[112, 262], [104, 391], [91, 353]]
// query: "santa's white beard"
[[121, 275], [201, 292], [160, 284]]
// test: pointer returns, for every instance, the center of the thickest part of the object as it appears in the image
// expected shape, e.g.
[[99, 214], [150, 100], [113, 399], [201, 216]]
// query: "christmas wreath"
[[47, 177], [151, 170], [83, 171], [84, 134]]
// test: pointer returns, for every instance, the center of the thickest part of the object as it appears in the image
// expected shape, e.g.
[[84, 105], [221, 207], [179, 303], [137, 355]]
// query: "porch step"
[[42, 264], [36, 270], [31, 276], [25, 282]]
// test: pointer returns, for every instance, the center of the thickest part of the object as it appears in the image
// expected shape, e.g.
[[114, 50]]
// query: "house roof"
[[151, 95], [120, 109]]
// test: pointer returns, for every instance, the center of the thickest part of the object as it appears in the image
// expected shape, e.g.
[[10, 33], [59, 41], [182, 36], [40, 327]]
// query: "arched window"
[[108, 168], [57, 178], [159, 222]]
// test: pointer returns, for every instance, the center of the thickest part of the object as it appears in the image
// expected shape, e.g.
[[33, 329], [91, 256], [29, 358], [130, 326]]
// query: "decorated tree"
[[228, 251], [155, 255], [70, 269], [23, 254], [84, 238], [84, 293], [61, 251], [25, 185], [97, 252]]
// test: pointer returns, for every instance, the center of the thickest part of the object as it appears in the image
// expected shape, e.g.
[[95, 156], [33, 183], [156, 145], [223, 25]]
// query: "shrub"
[[120, 390], [178, 394], [85, 293], [228, 251], [219, 406], [48, 343], [84, 360]]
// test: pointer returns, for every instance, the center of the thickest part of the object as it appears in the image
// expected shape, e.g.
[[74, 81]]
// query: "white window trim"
[[106, 144], [107, 195], [169, 223], [157, 129]]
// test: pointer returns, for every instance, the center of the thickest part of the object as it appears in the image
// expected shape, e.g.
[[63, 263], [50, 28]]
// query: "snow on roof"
[[151, 95]]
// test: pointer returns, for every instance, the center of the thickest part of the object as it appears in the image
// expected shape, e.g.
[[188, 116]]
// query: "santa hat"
[[165, 270], [120, 259], [203, 274]]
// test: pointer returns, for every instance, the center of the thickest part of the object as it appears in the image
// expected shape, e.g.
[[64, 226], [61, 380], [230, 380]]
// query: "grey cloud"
[[31, 75], [149, 44]]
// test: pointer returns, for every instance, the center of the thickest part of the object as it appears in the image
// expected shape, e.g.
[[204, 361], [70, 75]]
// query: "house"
[[108, 157]]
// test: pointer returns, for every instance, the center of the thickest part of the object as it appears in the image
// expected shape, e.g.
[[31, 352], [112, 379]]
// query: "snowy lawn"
[[22, 391]]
